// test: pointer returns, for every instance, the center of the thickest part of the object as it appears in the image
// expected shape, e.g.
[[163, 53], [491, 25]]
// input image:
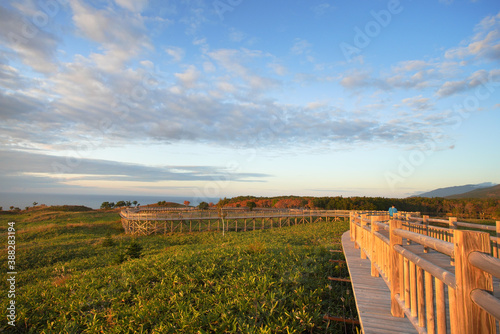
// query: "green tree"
[[251, 205], [106, 205], [203, 206]]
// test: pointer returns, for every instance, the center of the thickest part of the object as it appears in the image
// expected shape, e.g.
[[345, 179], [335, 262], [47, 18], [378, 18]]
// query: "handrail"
[[439, 245], [486, 301], [477, 226], [382, 225], [485, 262], [436, 271], [180, 215], [424, 300]]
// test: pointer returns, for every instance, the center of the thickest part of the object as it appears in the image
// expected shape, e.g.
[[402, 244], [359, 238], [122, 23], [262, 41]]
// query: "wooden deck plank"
[[373, 298]]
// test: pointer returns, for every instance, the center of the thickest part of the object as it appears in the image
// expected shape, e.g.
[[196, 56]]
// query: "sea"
[[23, 200]]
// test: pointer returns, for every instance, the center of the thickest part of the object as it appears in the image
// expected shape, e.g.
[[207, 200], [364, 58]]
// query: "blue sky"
[[237, 97]]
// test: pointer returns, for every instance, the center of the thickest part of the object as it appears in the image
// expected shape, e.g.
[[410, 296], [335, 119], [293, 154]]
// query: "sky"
[[220, 98]]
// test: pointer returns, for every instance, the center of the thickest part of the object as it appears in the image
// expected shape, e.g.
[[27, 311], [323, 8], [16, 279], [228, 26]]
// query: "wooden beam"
[[339, 279], [337, 261], [341, 319]]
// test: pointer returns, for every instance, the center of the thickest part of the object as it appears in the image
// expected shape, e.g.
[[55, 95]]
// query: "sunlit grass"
[[266, 281]]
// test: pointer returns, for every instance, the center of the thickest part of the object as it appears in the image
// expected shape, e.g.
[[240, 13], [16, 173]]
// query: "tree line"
[[463, 208], [119, 204]]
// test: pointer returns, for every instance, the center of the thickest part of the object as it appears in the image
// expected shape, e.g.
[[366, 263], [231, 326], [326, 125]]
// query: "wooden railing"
[[440, 278], [166, 214], [145, 222]]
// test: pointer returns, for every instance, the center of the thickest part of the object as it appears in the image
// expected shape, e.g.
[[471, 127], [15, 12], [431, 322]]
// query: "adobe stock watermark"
[[38, 20], [212, 189], [408, 165], [223, 6], [106, 126], [371, 30]]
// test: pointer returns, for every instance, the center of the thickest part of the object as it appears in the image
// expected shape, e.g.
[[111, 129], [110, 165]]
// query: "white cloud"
[[302, 47], [485, 44], [121, 37], [418, 103], [133, 5], [410, 66], [208, 67], [278, 69], [481, 77], [34, 46], [316, 105], [176, 53], [189, 78], [236, 35], [322, 9]]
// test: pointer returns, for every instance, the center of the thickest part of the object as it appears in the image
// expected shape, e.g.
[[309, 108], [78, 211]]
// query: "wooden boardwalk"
[[373, 297]]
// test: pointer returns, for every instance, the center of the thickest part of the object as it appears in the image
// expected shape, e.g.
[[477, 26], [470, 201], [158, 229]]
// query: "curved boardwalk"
[[373, 297], [410, 276]]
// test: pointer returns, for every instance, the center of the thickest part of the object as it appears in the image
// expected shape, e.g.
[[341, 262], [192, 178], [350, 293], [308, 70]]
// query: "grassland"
[[74, 277]]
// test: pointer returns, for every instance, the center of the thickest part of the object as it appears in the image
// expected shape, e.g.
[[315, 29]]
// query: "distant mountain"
[[457, 190], [490, 192]]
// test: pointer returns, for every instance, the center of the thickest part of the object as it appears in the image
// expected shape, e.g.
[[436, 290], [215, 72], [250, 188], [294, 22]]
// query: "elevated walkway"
[[373, 297]]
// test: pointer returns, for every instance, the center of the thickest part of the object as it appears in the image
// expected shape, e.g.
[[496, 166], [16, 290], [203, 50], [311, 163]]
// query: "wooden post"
[[425, 222], [471, 318], [495, 244], [374, 250], [407, 218], [351, 225], [452, 224], [429, 303], [453, 227], [440, 306], [361, 239], [394, 268]]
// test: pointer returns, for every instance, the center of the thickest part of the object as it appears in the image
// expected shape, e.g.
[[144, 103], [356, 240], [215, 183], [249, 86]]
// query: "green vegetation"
[[79, 273], [487, 208], [119, 204], [203, 206]]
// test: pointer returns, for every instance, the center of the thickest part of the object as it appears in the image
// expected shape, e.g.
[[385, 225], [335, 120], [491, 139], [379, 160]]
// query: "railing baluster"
[[421, 297], [429, 303], [440, 307]]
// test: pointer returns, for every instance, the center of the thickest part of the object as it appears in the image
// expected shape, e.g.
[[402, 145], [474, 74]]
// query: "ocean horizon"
[[23, 200]]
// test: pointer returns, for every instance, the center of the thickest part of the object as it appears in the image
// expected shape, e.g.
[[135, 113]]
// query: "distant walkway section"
[[162, 220]]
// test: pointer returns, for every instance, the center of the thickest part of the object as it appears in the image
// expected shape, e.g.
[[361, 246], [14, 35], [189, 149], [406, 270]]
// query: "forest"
[[437, 206]]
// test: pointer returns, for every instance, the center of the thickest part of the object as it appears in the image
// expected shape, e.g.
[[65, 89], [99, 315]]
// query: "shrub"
[[108, 242], [134, 250]]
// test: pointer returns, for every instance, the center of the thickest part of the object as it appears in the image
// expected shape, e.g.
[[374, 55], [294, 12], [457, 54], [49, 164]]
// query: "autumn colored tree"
[[186, 203]]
